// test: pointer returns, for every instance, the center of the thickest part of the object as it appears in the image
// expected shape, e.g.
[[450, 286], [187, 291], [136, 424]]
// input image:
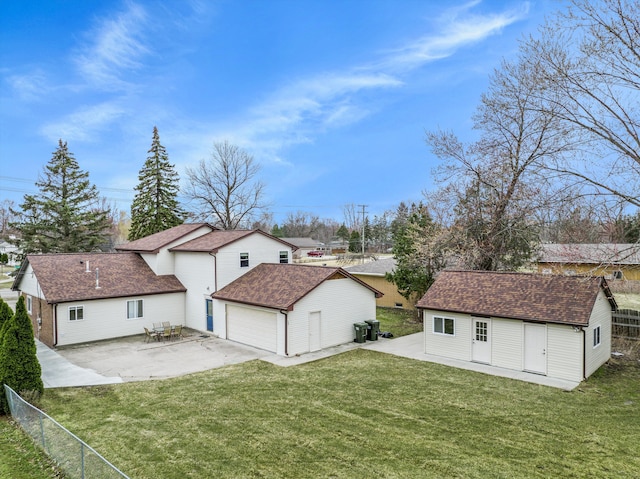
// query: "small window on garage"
[[29, 304], [596, 337], [134, 309], [244, 260], [617, 274], [284, 257], [398, 305], [443, 325], [76, 313]]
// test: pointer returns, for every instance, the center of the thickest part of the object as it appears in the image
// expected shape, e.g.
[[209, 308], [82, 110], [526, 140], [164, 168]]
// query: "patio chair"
[[177, 332], [148, 335], [157, 326], [166, 334], [166, 324]]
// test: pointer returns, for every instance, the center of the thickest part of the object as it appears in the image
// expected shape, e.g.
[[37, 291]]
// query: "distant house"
[[373, 273], [613, 261], [173, 275], [558, 326], [305, 246], [293, 309], [12, 252]]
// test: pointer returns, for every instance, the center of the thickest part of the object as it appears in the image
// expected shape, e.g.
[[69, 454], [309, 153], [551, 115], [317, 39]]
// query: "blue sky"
[[332, 98]]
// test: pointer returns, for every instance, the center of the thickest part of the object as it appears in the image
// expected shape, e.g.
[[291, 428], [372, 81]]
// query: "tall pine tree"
[[65, 216], [155, 207]]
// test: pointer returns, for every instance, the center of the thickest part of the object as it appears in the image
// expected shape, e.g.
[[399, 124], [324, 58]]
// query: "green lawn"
[[20, 458], [360, 414], [398, 321]]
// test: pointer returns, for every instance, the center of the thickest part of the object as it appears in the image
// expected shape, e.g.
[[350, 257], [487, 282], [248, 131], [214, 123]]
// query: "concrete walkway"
[[58, 372], [412, 346]]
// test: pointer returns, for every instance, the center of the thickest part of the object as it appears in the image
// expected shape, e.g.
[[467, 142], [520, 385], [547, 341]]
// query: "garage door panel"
[[252, 327]]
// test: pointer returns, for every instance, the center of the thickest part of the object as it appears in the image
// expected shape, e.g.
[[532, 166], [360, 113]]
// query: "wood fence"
[[626, 324]]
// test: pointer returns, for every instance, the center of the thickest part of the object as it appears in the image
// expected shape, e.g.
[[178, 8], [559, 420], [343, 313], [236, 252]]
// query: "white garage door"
[[253, 327]]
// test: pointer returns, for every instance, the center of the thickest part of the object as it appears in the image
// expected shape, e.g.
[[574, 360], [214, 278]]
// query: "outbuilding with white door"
[[557, 326], [292, 309]]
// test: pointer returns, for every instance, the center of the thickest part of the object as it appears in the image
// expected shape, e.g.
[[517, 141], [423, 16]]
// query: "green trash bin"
[[373, 327], [361, 332]]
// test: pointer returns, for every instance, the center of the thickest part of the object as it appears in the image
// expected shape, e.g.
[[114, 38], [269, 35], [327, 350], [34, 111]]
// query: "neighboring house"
[[12, 252], [613, 261], [81, 297], [292, 309], [558, 326], [305, 245], [373, 273], [172, 275]]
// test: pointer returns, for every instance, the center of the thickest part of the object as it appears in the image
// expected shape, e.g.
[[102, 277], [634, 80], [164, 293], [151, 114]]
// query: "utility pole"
[[363, 216]]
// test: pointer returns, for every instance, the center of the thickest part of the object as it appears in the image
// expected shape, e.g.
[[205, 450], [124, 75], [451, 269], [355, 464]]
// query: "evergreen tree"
[[277, 231], [355, 242], [5, 316], [155, 206], [343, 233], [19, 366], [64, 216]]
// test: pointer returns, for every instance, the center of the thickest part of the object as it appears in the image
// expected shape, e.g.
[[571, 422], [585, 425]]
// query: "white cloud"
[[29, 87], [116, 46], [83, 124]]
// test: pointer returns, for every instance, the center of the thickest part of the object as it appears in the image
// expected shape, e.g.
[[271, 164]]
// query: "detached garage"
[[557, 326], [293, 309]]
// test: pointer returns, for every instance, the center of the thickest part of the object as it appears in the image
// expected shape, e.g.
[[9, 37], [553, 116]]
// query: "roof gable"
[[529, 297], [280, 286], [153, 243], [85, 276], [213, 241]]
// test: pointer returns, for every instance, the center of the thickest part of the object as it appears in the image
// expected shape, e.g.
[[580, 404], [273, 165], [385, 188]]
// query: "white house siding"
[[163, 262], [261, 249], [196, 271], [507, 343], [29, 284], [457, 346], [341, 302], [600, 316], [107, 318], [564, 352]]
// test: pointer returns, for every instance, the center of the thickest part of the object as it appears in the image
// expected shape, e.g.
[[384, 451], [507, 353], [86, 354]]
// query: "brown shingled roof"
[[63, 277], [153, 243], [280, 286], [211, 242], [530, 297]]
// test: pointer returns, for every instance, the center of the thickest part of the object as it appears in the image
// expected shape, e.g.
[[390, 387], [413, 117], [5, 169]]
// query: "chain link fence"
[[74, 457]]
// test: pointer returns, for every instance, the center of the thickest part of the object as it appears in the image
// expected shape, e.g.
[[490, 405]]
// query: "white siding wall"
[[600, 316], [341, 303], [107, 318], [507, 343], [163, 261], [457, 346], [196, 271], [564, 352], [261, 249], [29, 284]]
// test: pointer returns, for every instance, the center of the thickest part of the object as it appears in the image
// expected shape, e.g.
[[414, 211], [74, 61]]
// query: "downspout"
[[215, 271], [584, 354], [55, 325], [286, 332]]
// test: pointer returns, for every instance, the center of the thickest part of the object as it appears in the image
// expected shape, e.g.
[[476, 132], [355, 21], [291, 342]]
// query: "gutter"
[[286, 331]]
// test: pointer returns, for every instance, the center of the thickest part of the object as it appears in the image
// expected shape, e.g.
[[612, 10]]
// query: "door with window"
[[481, 345], [535, 348], [209, 309]]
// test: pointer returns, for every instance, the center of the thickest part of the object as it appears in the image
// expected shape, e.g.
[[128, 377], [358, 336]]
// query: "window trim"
[[244, 262], [138, 309], [284, 254], [76, 309], [29, 303], [597, 336], [444, 327]]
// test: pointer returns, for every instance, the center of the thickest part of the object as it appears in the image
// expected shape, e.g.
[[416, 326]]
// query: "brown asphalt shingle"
[[530, 297], [152, 243], [280, 286], [63, 277], [212, 242]]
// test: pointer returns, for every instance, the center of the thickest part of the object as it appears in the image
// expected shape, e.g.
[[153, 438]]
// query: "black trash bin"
[[361, 332], [373, 327]]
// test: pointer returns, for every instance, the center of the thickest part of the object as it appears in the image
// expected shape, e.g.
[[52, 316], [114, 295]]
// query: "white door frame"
[[535, 348], [481, 340]]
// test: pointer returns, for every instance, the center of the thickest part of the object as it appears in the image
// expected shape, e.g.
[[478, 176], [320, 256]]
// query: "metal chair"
[[177, 332], [166, 324], [148, 335], [166, 334]]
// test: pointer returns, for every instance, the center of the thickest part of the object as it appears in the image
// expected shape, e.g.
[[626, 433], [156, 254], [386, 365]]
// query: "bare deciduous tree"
[[225, 189]]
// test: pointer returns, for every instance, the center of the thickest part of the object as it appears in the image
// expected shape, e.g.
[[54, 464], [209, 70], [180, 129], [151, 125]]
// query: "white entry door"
[[481, 345], [535, 348], [315, 329]]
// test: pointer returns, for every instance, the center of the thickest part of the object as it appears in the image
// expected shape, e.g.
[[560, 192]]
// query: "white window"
[[443, 325], [596, 337], [244, 260], [134, 309], [29, 304], [284, 257], [76, 313]]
